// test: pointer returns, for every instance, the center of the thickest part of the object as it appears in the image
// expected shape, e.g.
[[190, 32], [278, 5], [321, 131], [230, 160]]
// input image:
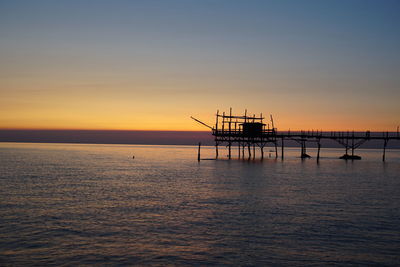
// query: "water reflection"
[[93, 204]]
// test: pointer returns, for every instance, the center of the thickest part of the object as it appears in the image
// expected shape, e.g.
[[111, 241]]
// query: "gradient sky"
[[149, 65]]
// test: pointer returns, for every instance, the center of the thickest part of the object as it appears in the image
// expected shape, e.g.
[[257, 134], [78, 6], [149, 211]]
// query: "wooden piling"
[[301, 149], [216, 132], [384, 151], [386, 140], [283, 144], [230, 133], [198, 152]]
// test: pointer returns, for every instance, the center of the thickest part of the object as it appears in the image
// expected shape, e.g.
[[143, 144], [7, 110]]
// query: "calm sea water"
[[66, 204]]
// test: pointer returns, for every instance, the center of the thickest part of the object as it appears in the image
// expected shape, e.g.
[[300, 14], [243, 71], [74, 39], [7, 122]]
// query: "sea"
[[148, 205]]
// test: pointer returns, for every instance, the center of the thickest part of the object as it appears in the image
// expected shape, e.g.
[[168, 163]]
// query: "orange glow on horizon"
[[177, 123], [30, 104]]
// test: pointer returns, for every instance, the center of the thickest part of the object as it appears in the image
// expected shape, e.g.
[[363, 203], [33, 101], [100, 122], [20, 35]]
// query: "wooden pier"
[[249, 132]]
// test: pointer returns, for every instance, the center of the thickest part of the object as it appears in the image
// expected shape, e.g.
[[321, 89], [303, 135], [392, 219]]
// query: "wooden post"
[[262, 151], [384, 149], [216, 135], [230, 119], [282, 147], [302, 149], [254, 150], [216, 122], [276, 149], [319, 148], [249, 150], [223, 122], [230, 133], [198, 152]]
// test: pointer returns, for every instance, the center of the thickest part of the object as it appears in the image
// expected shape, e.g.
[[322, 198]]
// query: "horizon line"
[[142, 130]]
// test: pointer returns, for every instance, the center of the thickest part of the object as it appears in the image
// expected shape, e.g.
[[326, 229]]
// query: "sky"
[[150, 65]]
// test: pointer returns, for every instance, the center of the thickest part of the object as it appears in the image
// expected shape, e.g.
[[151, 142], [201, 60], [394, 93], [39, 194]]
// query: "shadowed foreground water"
[[65, 204]]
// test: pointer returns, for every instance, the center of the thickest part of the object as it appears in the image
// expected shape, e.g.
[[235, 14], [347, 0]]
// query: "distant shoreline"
[[123, 137], [187, 145]]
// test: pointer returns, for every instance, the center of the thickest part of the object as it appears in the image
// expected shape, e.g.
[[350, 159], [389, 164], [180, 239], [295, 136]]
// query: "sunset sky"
[[150, 65]]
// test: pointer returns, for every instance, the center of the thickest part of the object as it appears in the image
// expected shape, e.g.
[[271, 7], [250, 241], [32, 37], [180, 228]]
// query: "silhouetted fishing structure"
[[250, 132]]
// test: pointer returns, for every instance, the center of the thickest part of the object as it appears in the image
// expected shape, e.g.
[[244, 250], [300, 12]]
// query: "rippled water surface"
[[66, 204]]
